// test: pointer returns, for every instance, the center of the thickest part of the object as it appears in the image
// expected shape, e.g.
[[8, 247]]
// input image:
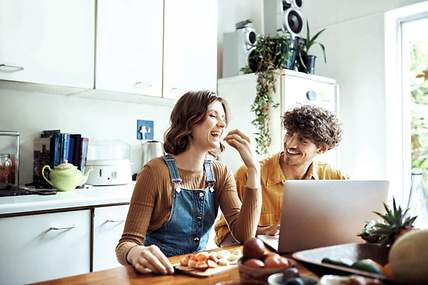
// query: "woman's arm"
[[242, 218], [131, 249]]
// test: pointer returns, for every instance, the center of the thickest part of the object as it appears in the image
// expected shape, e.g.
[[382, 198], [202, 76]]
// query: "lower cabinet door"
[[108, 227], [41, 247]]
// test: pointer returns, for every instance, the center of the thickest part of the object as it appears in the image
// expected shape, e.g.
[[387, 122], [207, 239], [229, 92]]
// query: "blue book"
[[65, 143], [55, 146], [73, 148]]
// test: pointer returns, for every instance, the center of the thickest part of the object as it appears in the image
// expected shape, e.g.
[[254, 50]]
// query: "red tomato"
[[254, 263], [254, 248], [276, 261]]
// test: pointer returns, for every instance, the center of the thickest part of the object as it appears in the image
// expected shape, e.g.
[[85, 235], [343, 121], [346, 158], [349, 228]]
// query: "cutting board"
[[231, 264], [207, 273]]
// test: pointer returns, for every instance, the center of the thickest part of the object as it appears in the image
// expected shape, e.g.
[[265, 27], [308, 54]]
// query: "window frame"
[[397, 107]]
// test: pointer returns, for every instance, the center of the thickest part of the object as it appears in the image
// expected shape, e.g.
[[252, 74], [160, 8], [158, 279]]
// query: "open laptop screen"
[[318, 213]]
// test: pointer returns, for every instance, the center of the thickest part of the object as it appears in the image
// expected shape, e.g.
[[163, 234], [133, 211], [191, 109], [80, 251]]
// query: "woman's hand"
[[241, 142], [147, 259]]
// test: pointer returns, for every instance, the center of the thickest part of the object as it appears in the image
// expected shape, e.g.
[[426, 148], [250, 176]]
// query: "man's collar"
[[312, 173], [275, 174]]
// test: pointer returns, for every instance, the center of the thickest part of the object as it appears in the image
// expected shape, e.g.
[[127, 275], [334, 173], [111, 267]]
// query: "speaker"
[[283, 15], [237, 48]]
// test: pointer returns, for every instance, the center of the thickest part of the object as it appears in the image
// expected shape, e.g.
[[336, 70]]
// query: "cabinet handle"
[[142, 85], [10, 68], [63, 228], [114, 221]]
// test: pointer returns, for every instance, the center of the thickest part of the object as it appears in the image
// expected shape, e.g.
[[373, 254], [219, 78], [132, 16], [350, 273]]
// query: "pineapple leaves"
[[393, 223]]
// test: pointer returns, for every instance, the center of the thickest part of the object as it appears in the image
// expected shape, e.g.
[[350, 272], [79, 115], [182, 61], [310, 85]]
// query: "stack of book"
[[53, 148]]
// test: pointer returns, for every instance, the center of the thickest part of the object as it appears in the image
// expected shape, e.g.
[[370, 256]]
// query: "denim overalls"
[[192, 215]]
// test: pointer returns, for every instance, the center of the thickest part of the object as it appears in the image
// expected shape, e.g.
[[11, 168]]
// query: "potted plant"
[[306, 60], [269, 55]]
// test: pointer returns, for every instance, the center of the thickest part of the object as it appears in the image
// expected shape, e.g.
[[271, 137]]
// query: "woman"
[[176, 197]]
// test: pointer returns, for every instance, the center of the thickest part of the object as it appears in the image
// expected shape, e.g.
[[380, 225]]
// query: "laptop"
[[317, 213]]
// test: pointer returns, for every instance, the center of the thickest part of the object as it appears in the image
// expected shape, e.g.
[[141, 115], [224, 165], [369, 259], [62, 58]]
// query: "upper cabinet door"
[[190, 46], [48, 41], [129, 46]]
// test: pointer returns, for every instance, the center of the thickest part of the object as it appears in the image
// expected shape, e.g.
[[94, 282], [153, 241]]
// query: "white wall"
[[29, 112], [354, 42]]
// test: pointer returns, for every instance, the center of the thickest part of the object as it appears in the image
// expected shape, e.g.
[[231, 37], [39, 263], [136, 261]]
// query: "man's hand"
[[272, 230]]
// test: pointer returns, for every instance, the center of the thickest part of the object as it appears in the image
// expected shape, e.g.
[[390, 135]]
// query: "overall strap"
[[208, 167], [172, 168]]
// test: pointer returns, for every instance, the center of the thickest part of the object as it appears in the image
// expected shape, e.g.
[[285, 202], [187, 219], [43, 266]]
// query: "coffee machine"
[[151, 149]]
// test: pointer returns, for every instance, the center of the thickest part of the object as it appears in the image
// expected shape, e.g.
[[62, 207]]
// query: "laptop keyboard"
[[271, 241]]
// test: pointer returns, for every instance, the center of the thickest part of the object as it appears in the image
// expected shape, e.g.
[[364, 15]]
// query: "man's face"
[[299, 150]]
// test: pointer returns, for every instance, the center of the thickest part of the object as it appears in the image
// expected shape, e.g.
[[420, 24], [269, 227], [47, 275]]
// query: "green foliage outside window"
[[419, 107]]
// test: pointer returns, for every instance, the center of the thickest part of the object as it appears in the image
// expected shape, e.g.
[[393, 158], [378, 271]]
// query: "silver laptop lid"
[[318, 213]]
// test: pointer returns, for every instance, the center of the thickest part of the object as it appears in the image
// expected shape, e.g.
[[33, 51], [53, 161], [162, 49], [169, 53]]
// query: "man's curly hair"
[[314, 123]]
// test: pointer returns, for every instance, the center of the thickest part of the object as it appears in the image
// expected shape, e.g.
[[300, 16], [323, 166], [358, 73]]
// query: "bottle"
[[5, 169], [418, 203]]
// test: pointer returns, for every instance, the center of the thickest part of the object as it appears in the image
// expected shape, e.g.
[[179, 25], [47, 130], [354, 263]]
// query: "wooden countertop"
[[126, 275]]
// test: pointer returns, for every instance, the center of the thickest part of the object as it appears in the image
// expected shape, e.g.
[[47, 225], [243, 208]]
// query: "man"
[[310, 131]]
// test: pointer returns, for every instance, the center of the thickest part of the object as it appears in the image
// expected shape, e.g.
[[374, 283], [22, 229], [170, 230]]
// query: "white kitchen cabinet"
[[108, 226], [190, 46], [292, 89], [129, 46], [48, 41], [46, 246]]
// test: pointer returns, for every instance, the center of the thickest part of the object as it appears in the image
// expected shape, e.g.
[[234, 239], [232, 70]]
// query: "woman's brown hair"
[[189, 111]]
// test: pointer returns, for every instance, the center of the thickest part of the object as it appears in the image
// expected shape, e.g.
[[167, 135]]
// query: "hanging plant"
[[269, 55]]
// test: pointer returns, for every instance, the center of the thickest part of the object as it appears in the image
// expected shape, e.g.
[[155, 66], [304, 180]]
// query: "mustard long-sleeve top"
[[272, 183], [151, 203]]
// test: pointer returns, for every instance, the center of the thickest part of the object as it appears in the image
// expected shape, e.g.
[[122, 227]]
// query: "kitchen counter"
[[126, 275], [80, 198]]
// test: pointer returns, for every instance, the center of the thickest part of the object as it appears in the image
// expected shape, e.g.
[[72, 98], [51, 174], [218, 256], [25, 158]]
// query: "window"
[[415, 81], [406, 91]]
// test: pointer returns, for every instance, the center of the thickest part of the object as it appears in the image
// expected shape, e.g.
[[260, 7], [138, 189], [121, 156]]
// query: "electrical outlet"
[[145, 130]]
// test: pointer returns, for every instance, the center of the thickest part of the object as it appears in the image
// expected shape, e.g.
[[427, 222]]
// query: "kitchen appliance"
[[284, 15], [292, 88], [238, 46], [151, 149], [110, 162], [109, 172], [66, 176], [9, 158]]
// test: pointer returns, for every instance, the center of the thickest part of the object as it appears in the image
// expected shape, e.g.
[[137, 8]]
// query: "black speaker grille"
[[295, 22]]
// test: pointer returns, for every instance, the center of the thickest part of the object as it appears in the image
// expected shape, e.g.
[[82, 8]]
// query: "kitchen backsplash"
[[30, 112]]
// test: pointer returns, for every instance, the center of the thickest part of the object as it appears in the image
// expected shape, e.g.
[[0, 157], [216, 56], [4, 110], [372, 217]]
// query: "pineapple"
[[394, 223]]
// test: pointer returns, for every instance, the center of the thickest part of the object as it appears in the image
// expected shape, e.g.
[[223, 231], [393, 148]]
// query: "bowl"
[[241, 282], [278, 279], [275, 279], [247, 273]]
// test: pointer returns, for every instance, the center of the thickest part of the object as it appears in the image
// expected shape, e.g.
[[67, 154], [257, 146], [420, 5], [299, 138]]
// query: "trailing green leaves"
[[270, 54]]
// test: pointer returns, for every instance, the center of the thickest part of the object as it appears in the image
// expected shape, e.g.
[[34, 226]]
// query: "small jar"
[[6, 168]]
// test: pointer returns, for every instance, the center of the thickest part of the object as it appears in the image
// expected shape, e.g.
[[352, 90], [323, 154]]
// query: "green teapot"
[[66, 176]]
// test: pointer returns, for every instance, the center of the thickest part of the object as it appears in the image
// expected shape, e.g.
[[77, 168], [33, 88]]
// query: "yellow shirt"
[[272, 182]]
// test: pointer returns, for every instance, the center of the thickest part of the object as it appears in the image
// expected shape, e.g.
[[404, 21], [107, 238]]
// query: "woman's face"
[[207, 135]]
